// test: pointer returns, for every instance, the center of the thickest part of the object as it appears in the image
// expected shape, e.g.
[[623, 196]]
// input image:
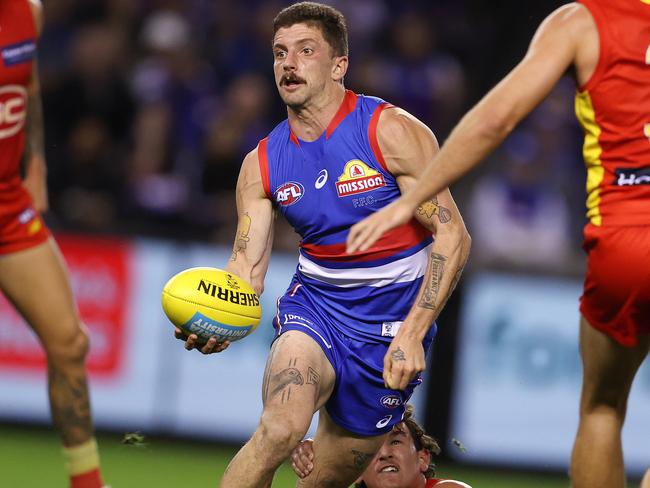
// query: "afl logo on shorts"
[[391, 401], [289, 193], [13, 110]]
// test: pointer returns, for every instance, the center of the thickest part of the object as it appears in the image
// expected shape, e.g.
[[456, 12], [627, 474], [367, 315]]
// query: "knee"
[[70, 347], [280, 435]]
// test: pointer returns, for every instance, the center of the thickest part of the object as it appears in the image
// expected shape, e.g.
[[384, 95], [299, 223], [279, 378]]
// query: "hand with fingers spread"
[[192, 342], [403, 361], [365, 233], [302, 458]]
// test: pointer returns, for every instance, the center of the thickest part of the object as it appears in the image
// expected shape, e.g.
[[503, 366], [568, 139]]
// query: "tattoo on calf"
[[70, 406], [398, 355], [431, 208], [436, 270], [242, 236]]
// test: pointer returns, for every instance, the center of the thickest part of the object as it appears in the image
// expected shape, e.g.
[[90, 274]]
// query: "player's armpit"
[[254, 236]]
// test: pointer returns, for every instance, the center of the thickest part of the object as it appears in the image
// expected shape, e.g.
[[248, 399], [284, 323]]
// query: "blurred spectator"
[[88, 113], [516, 215]]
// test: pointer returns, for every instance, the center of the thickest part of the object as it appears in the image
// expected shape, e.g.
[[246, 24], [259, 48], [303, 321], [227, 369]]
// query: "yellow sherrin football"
[[211, 302]]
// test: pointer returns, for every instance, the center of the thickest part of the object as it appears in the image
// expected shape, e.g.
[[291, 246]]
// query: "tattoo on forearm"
[[242, 236], [398, 355], [361, 458], [431, 208], [432, 288], [456, 279], [34, 126], [70, 406]]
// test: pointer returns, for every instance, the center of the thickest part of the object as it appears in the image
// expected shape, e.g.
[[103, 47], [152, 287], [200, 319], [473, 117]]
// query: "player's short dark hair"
[[330, 21], [421, 440]]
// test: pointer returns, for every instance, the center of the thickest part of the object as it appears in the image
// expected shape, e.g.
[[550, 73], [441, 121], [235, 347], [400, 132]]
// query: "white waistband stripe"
[[403, 270]]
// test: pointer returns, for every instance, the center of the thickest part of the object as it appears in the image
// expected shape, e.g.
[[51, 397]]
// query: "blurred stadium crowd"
[[150, 106]]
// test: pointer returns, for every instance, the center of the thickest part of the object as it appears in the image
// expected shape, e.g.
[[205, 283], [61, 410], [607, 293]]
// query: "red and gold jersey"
[[613, 108], [17, 53]]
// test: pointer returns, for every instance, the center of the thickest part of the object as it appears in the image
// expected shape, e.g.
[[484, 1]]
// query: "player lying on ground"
[[405, 460]]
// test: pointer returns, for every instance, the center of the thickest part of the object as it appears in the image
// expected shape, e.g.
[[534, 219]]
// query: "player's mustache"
[[291, 78]]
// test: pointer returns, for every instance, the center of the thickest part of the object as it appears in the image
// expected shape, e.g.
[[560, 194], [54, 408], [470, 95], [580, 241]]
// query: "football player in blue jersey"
[[351, 331]]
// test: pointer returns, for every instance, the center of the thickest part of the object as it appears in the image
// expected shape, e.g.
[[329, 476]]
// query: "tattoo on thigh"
[[70, 406], [398, 355], [267, 374], [360, 458], [313, 378], [285, 378]]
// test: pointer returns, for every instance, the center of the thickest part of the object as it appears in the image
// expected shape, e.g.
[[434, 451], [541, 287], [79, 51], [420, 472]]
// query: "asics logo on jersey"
[[321, 180], [13, 110], [383, 422], [289, 193]]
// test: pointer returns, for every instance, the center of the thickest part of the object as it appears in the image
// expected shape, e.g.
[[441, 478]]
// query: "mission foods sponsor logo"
[[357, 177], [226, 295], [289, 193]]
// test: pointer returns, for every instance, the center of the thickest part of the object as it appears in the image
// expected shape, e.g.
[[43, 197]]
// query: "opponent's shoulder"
[[572, 20], [37, 13], [450, 484]]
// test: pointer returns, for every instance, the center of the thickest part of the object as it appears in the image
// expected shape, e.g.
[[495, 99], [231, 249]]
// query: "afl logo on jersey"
[[358, 177], [13, 110], [289, 193]]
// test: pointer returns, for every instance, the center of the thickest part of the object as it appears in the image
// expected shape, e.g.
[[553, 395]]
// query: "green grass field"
[[31, 458]]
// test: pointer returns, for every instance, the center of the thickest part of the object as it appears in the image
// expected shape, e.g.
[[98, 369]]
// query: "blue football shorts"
[[360, 402]]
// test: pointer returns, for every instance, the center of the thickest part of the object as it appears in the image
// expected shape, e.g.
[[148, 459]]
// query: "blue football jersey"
[[323, 188]]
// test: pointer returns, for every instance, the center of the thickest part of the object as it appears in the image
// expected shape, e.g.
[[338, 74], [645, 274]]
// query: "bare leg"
[[608, 371], [339, 455], [36, 282], [298, 380]]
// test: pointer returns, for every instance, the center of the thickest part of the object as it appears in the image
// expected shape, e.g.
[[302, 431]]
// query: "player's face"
[[398, 464], [303, 63]]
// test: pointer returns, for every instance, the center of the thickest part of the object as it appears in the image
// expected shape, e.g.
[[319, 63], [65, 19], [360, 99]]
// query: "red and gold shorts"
[[616, 296], [21, 226]]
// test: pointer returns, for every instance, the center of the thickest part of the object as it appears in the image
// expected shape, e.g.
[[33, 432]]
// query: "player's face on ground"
[[398, 464], [303, 63]]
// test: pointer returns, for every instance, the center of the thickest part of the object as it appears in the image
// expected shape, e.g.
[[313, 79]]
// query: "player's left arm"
[[36, 169], [407, 144]]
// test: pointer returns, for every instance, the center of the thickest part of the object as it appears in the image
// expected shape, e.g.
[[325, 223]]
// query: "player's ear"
[[424, 458], [340, 68]]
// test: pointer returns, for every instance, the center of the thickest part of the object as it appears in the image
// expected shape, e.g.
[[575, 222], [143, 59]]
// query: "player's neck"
[[310, 121]]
